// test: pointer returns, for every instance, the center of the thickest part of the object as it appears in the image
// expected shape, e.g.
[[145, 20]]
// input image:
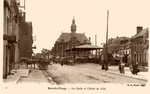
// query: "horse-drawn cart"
[[42, 64]]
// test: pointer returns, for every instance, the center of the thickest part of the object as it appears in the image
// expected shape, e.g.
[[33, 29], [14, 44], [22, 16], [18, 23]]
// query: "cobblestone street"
[[87, 74]]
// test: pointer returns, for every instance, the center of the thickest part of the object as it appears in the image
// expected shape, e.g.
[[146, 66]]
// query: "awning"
[[85, 47], [10, 38]]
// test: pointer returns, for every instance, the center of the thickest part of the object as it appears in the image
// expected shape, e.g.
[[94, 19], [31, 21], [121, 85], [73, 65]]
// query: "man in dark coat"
[[62, 61], [136, 68], [103, 65]]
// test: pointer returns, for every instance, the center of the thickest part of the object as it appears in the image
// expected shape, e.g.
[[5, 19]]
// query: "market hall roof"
[[86, 47], [66, 37]]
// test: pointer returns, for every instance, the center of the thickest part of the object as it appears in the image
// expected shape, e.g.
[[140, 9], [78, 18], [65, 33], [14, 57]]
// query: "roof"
[[67, 37], [85, 47], [117, 40], [116, 43], [29, 23], [125, 46], [140, 33]]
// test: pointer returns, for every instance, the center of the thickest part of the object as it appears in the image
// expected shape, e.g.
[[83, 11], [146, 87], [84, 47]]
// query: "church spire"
[[73, 21], [73, 27]]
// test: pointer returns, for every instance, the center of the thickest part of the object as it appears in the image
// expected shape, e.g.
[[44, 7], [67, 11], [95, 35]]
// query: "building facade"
[[114, 45], [25, 38], [125, 52], [140, 46], [117, 49], [10, 37], [70, 40]]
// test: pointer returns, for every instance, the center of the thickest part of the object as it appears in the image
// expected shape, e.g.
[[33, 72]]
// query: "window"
[[137, 57], [145, 57], [137, 46], [140, 58], [140, 45]]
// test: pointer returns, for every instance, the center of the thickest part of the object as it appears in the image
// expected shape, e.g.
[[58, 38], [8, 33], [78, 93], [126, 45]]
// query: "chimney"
[[139, 29], [22, 16], [90, 39]]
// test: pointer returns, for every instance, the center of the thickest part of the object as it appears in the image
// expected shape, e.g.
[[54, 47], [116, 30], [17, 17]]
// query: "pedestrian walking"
[[53, 59], [121, 68], [103, 66], [132, 67], [106, 67], [62, 61], [136, 68]]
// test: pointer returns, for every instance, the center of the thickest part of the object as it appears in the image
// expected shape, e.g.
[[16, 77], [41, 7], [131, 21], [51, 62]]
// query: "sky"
[[52, 17]]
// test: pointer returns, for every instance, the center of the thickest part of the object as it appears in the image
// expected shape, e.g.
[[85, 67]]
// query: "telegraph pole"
[[96, 43], [106, 68]]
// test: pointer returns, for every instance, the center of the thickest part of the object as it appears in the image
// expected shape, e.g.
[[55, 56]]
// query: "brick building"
[[140, 46], [69, 40], [25, 38]]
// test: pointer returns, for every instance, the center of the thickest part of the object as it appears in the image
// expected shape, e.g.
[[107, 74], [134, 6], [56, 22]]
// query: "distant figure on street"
[[136, 70], [106, 66], [121, 68], [62, 61], [103, 65]]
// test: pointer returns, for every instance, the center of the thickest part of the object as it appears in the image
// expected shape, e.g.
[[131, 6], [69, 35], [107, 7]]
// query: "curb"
[[21, 76], [25, 76], [127, 76], [15, 82], [48, 77]]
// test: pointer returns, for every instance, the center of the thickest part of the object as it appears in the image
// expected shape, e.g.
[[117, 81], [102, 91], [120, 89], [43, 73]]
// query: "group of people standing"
[[58, 60], [134, 68]]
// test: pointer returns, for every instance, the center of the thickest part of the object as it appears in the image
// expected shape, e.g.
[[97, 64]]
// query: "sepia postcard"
[[75, 45]]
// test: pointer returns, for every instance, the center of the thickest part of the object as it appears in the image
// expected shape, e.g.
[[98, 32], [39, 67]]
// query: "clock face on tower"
[[74, 27]]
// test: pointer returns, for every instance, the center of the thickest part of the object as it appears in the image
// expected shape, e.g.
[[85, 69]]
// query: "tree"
[[45, 52]]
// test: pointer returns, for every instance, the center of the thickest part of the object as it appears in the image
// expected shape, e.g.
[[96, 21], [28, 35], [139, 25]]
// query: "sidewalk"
[[35, 77], [140, 75], [114, 70], [30, 75], [14, 78]]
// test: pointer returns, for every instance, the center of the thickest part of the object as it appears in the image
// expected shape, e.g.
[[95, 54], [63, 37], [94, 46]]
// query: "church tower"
[[73, 27]]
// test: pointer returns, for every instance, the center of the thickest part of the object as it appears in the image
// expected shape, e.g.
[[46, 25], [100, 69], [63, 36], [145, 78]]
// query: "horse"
[[30, 62]]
